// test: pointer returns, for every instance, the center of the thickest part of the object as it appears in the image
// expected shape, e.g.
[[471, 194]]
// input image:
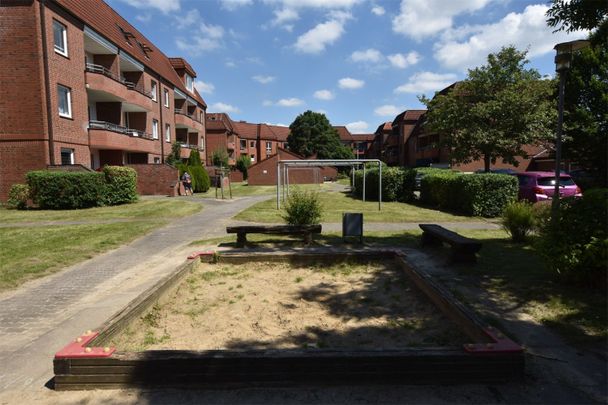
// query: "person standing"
[[187, 182]]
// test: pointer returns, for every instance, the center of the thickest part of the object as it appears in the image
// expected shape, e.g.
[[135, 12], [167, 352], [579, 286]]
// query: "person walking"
[[187, 182]]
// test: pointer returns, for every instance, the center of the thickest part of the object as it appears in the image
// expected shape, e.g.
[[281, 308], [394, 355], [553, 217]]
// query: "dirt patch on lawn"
[[284, 306]]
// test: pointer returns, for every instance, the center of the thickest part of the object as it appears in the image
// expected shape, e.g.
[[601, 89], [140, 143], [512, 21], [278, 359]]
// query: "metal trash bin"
[[352, 225]]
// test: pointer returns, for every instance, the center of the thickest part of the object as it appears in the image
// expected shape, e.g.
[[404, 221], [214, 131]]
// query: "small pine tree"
[[174, 157]]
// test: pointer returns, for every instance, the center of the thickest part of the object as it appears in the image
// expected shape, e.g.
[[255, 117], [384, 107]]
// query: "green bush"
[[518, 220], [200, 177], [242, 164], [575, 244], [67, 190], [174, 157], [302, 208], [18, 196], [397, 184], [219, 157], [121, 185], [484, 195]]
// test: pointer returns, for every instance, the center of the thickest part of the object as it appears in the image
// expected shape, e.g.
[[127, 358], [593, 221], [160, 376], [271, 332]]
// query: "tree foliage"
[[312, 133], [175, 156], [497, 110], [573, 15], [586, 107], [219, 157], [242, 164]]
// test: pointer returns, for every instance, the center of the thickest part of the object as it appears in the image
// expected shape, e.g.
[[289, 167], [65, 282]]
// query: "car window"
[[550, 181]]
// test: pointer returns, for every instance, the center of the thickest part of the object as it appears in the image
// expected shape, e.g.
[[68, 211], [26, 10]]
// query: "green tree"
[[174, 157], [219, 157], [312, 133], [586, 107], [497, 110], [242, 164], [573, 15], [200, 177]]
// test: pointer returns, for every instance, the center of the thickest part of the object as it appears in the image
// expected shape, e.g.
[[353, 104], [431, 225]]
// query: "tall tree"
[[586, 107], [312, 133], [497, 110], [574, 15]]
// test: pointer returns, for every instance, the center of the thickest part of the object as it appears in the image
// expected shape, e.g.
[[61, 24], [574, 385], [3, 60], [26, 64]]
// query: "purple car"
[[540, 186]]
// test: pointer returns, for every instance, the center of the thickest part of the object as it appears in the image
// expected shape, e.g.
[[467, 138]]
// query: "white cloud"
[[422, 18], [190, 18], [357, 127], [289, 102], [230, 64], [198, 45], [223, 107], [425, 82], [267, 103], [263, 79], [232, 5], [468, 46], [144, 17], [212, 31], [403, 60], [209, 36], [323, 4], [283, 17], [387, 110], [368, 55], [350, 83], [323, 95], [316, 39], [166, 6], [204, 87], [378, 10]]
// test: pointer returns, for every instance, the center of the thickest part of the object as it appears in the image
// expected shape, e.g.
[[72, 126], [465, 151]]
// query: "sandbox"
[[283, 319]]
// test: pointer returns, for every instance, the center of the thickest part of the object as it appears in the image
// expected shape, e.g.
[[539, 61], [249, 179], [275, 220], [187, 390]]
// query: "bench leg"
[[429, 240], [241, 239], [307, 238]]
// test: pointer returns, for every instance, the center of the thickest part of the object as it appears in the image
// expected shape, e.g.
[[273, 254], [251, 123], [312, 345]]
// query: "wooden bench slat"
[[463, 248], [242, 231]]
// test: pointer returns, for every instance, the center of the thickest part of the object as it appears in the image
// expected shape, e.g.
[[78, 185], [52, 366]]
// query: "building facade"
[[81, 86]]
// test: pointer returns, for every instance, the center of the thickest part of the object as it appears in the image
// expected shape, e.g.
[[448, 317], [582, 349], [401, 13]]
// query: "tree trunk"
[[486, 162]]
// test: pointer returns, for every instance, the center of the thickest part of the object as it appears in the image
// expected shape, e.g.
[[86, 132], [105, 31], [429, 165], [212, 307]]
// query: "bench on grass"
[[463, 249], [305, 230]]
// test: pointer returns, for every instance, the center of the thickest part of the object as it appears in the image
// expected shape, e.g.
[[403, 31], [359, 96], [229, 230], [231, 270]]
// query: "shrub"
[[518, 220], [575, 244], [200, 177], [67, 190], [397, 184], [302, 208], [121, 185], [219, 157], [242, 164], [18, 196], [174, 157], [435, 188]]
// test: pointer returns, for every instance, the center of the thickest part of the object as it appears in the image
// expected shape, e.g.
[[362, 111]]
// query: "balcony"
[[185, 120], [99, 78], [230, 146], [107, 135]]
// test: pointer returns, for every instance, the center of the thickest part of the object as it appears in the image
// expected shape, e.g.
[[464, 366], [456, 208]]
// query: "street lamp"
[[563, 59]]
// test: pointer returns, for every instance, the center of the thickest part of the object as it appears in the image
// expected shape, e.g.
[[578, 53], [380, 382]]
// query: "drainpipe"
[[258, 139], [161, 135], [47, 85]]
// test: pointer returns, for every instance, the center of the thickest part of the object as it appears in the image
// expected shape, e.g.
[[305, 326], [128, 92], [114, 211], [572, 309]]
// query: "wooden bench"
[[242, 231], [463, 249]]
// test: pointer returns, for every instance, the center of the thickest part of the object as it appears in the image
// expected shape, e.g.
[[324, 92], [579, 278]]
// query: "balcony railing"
[[93, 68], [181, 111], [108, 126], [189, 145]]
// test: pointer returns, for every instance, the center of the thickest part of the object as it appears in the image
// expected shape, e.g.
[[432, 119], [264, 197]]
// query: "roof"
[[181, 63], [107, 22], [343, 133], [408, 115], [245, 130], [281, 132], [218, 121], [384, 127], [363, 137]]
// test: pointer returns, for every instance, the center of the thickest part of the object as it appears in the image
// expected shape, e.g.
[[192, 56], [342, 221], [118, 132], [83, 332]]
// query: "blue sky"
[[360, 62]]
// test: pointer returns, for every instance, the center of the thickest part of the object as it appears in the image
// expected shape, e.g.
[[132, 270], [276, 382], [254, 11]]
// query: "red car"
[[540, 186]]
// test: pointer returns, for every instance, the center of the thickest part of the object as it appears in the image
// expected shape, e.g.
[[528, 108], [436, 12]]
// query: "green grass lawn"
[[511, 273], [29, 252], [242, 189], [335, 203]]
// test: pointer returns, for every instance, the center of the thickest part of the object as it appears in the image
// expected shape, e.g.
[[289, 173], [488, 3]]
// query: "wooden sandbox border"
[[491, 357]]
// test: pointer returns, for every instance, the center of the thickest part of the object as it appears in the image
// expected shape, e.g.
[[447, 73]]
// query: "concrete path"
[[44, 315]]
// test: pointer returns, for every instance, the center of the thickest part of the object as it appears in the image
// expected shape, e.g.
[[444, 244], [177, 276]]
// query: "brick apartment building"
[[81, 86], [361, 144]]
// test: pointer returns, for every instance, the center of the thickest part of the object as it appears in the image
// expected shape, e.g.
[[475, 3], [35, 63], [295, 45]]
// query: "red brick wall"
[[156, 179], [265, 172], [16, 159], [214, 141]]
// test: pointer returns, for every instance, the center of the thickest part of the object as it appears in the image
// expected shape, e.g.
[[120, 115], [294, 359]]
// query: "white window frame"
[[64, 36], [189, 82], [71, 152], [202, 143], [154, 129], [166, 95], [268, 147], [68, 93], [154, 90], [167, 133]]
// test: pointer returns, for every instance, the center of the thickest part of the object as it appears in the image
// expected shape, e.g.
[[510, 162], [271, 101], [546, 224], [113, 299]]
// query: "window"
[[268, 147], [67, 156], [243, 144], [252, 144], [156, 160], [189, 82], [60, 37], [202, 143], [155, 129], [167, 133], [252, 158], [153, 91], [166, 98], [64, 100]]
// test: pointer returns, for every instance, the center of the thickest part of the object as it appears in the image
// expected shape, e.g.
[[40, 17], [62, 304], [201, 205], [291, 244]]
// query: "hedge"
[[67, 190], [121, 185], [397, 184], [198, 176], [483, 195]]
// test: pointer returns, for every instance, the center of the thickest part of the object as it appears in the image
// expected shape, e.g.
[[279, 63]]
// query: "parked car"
[[540, 186], [497, 171]]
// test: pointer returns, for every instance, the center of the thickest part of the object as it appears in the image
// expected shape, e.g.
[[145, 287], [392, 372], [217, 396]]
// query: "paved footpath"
[[44, 315]]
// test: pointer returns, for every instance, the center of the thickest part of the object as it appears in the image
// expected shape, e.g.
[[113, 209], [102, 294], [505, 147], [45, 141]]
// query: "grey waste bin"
[[352, 225]]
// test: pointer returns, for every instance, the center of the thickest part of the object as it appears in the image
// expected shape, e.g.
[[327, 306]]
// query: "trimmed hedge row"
[[483, 195], [72, 190], [397, 184]]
